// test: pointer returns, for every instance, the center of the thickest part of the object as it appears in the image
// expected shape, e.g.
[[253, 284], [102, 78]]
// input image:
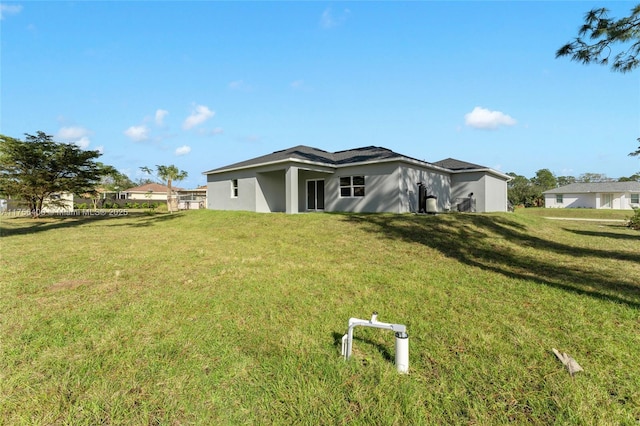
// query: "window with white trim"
[[352, 186], [635, 198], [234, 188], [559, 199]]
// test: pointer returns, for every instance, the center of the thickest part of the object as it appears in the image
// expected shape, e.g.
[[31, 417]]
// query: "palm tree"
[[169, 174]]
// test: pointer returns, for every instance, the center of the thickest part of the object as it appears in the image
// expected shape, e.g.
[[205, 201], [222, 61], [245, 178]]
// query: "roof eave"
[[484, 170], [269, 163]]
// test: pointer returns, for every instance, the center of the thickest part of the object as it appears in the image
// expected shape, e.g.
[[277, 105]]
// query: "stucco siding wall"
[[626, 203], [159, 196], [382, 186], [615, 201], [464, 184], [270, 192], [588, 201], [495, 194], [489, 192], [438, 184], [219, 191]]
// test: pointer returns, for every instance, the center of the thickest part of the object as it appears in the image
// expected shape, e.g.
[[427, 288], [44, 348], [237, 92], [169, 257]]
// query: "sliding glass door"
[[315, 195]]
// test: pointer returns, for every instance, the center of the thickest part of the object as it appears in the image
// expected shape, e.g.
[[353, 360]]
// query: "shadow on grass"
[[31, 226], [479, 241], [603, 234], [384, 350]]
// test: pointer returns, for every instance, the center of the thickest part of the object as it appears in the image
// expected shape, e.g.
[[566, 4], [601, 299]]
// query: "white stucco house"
[[58, 203], [368, 179], [147, 192], [192, 199], [600, 195]]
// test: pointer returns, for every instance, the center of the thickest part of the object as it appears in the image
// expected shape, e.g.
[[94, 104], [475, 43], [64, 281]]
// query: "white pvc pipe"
[[402, 339], [402, 352]]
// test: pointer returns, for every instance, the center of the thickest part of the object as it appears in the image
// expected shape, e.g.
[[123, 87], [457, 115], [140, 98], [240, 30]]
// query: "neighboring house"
[[147, 192], [58, 203], [369, 179], [600, 195], [192, 199]]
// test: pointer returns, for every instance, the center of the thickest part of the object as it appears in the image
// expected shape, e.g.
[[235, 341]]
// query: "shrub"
[[634, 221], [145, 205], [136, 205]]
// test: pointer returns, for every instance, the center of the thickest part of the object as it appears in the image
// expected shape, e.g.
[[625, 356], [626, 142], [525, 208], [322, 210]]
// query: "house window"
[[635, 198], [234, 188], [559, 199], [352, 186]]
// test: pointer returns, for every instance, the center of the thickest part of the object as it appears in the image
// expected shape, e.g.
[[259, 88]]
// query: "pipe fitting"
[[402, 339]]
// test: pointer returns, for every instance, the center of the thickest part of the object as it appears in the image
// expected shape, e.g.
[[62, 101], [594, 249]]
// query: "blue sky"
[[204, 84]]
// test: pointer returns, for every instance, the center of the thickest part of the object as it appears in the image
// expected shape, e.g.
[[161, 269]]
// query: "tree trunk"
[[169, 201], [36, 207]]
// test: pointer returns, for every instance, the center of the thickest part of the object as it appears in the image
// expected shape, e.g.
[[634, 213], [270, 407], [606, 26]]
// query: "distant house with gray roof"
[[368, 179], [595, 195]]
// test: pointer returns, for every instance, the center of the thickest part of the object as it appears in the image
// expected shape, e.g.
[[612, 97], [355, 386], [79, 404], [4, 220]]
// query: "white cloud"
[[72, 133], [199, 115], [76, 135], [137, 133], [9, 9], [183, 150], [160, 115], [329, 20], [482, 118], [83, 142]]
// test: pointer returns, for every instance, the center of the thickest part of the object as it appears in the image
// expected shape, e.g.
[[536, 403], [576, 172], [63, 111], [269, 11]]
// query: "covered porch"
[[292, 189]]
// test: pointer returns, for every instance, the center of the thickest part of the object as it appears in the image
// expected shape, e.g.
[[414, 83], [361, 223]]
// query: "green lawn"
[[604, 214], [219, 318]]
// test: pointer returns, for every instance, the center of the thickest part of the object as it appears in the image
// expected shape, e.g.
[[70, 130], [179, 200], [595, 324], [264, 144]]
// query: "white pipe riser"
[[402, 352]]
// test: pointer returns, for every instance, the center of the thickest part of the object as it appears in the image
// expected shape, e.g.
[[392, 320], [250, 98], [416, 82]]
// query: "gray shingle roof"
[[349, 156], [580, 188], [307, 153], [300, 152], [453, 164]]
